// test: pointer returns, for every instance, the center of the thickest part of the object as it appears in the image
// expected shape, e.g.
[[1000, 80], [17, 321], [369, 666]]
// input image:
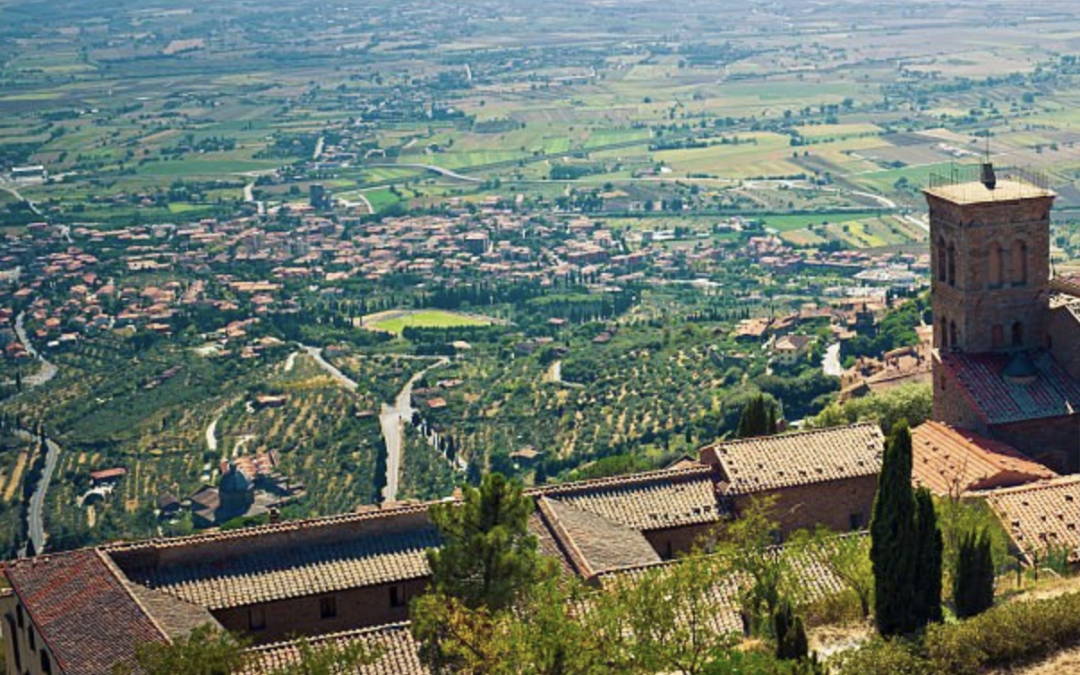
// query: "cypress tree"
[[893, 550], [973, 584], [930, 547], [791, 641]]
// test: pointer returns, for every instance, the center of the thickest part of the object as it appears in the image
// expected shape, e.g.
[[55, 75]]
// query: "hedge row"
[[1006, 635]]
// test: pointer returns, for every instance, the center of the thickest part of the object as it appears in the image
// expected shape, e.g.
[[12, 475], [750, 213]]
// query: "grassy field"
[[397, 321]]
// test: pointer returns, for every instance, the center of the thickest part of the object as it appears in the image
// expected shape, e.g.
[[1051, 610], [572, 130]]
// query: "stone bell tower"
[[990, 259]]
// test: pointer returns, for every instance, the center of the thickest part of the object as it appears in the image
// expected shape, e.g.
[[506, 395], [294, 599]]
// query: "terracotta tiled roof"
[[398, 652], [593, 543], [647, 501], [85, 613], [1041, 515], [760, 464], [947, 459], [1000, 402], [296, 571]]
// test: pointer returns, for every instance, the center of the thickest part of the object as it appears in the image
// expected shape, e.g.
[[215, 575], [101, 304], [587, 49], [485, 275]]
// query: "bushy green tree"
[[487, 555]]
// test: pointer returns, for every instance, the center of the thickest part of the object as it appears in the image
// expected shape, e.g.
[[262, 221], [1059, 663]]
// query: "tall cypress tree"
[[906, 545], [973, 584], [930, 547], [892, 537]]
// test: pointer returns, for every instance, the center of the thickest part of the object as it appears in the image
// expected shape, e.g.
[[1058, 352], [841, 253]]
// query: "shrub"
[[882, 657], [1004, 635]]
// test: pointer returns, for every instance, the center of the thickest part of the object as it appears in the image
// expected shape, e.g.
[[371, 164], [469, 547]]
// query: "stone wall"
[[838, 505], [1053, 442], [353, 608]]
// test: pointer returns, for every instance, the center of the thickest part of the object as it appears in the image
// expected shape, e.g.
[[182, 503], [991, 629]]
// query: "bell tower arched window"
[[1019, 263], [941, 259], [995, 265], [1018, 334], [952, 334], [952, 265]]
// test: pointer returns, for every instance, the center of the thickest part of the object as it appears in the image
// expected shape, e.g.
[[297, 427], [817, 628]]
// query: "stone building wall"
[[840, 505], [353, 608]]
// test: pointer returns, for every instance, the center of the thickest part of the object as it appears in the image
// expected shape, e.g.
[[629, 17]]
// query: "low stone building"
[[79, 613], [819, 477]]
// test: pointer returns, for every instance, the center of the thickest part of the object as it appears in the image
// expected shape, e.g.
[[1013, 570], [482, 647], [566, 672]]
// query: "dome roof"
[[1021, 370]]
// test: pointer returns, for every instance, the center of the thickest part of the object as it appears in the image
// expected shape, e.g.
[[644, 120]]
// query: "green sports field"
[[396, 322]]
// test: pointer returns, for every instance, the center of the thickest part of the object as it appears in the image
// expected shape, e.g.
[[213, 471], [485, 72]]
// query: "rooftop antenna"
[[988, 178]]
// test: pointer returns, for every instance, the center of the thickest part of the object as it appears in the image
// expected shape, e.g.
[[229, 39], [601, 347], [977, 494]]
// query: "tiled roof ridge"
[[563, 538], [259, 530], [1034, 486], [122, 579], [801, 433], [327, 637], [616, 481]]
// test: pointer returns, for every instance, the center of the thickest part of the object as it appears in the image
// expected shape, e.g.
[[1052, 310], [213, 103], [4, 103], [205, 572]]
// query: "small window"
[[1018, 334], [257, 618], [327, 607], [33, 642], [855, 521], [397, 596], [46, 663], [19, 613]]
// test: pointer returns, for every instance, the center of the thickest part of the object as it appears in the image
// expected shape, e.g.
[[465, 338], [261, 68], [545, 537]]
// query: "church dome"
[[1021, 370], [234, 480]]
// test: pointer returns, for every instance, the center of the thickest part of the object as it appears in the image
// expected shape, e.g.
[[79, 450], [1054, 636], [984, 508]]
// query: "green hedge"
[[1006, 635]]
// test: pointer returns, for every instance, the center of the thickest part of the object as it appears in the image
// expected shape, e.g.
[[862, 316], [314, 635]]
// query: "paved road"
[[831, 363], [48, 370], [36, 516], [342, 378], [392, 421], [434, 169], [14, 192]]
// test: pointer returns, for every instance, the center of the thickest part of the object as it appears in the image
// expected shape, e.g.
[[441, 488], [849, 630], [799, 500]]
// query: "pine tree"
[[892, 536], [930, 547], [973, 583]]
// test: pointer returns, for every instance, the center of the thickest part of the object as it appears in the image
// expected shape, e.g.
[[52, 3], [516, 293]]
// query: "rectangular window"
[[397, 596], [327, 607], [257, 618]]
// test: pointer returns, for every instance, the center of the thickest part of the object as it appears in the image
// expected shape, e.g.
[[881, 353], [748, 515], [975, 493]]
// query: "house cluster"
[[250, 486], [352, 576]]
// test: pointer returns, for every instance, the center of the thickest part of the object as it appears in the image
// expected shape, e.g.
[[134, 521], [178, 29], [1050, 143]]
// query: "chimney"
[[988, 178]]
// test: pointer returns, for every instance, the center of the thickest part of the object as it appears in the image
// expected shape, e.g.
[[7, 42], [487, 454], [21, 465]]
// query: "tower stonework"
[[990, 258]]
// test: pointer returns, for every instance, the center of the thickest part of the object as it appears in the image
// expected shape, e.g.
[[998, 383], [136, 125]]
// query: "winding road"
[[392, 419], [36, 515]]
